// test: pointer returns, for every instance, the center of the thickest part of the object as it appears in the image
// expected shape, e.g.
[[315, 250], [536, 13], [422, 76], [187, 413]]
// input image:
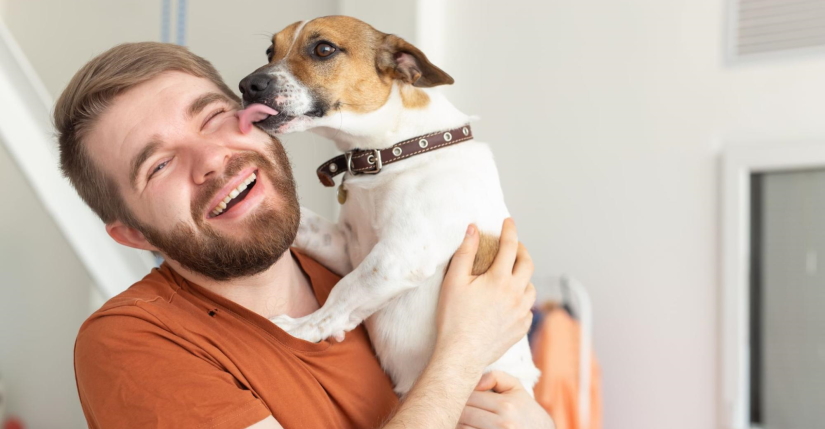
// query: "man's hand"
[[480, 317], [500, 401]]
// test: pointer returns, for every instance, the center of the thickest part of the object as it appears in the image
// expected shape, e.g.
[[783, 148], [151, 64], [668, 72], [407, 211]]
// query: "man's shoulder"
[[159, 285], [142, 300]]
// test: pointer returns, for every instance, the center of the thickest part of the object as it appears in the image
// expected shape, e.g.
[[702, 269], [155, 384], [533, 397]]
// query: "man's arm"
[[479, 318]]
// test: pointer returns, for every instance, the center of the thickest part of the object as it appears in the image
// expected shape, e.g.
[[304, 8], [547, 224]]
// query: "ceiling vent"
[[762, 28]]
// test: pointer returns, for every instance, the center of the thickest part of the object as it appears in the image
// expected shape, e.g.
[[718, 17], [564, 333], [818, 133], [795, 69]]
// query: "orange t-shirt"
[[167, 353]]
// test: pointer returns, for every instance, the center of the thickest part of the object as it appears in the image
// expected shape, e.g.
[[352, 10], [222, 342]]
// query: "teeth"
[[232, 194]]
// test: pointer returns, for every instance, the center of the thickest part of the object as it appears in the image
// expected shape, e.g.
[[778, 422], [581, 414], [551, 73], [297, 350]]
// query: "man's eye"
[[212, 116], [159, 167]]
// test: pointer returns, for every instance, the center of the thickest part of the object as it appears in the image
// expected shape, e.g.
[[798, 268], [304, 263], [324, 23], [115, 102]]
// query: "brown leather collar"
[[359, 161]]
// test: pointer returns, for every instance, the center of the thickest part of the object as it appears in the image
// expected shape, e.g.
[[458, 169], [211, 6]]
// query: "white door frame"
[[738, 164]]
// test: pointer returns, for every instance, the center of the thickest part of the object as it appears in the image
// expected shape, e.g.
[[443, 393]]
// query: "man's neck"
[[282, 289]]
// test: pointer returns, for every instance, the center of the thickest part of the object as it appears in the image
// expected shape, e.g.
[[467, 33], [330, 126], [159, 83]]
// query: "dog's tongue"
[[253, 113]]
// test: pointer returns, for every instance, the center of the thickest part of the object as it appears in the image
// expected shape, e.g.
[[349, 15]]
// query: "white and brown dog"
[[367, 91]]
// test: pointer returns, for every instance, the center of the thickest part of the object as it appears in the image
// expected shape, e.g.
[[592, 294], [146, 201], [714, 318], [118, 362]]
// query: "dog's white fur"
[[398, 229]]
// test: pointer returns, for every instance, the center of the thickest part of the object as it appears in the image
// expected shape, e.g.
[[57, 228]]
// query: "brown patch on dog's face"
[[338, 63], [282, 40], [414, 98], [346, 78]]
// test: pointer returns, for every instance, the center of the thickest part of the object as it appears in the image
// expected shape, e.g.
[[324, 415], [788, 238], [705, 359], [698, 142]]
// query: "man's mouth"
[[234, 196]]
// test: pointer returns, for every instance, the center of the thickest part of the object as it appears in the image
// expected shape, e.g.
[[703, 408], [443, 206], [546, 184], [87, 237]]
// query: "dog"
[[400, 222]]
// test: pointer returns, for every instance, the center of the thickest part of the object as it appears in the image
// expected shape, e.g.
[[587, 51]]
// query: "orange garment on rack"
[[556, 354]]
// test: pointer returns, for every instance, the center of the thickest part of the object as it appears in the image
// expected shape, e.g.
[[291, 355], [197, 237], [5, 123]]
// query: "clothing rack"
[[571, 294]]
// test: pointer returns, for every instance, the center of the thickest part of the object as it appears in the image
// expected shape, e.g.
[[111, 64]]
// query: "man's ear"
[[401, 60], [128, 236]]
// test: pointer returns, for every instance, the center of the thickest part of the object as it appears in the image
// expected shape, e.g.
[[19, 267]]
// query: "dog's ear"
[[401, 60]]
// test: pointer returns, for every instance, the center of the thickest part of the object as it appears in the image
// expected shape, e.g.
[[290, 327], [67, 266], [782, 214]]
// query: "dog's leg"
[[323, 241], [381, 276]]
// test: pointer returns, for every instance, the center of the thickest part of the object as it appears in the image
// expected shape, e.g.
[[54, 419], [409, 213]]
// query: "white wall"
[[607, 119], [44, 297], [396, 17]]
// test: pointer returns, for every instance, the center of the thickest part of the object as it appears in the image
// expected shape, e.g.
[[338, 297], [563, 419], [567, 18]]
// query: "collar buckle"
[[348, 154], [374, 159]]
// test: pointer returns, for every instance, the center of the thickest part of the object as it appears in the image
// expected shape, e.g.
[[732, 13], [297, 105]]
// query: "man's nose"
[[256, 87], [209, 160]]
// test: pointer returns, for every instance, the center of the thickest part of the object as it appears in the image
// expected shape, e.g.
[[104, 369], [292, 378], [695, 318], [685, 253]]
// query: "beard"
[[269, 231]]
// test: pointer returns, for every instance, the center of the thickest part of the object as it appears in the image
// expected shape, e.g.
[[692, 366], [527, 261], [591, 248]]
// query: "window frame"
[[739, 164]]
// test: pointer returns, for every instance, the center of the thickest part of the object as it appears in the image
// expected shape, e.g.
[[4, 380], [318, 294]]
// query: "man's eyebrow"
[[204, 100], [140, 158]]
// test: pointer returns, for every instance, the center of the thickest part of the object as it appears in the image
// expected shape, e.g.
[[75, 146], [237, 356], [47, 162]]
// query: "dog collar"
[[358, 161]]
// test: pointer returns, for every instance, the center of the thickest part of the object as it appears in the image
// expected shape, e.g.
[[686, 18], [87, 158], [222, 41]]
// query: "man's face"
[[175, 151]]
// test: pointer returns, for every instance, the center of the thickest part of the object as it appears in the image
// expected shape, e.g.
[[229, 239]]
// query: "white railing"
[[27, 133]]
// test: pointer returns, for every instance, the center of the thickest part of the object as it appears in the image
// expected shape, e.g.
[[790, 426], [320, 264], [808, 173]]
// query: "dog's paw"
[[307, 332], [318, 326], [286, 323], [339, 330], [304, 328]]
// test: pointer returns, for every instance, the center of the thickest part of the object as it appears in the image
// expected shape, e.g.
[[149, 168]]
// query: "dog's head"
[[335, 64]]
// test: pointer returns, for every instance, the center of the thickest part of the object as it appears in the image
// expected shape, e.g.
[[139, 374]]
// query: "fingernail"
[[471, 230]]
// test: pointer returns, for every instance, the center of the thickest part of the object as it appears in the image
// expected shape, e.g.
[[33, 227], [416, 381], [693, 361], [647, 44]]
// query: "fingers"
[[507, 249], [498, 382], [462, 262], [486, 400], [477, 418], [523, 268], [487, 382], [529, 297]]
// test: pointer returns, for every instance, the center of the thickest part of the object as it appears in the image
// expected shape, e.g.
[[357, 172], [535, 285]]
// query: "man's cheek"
[[170, 210]]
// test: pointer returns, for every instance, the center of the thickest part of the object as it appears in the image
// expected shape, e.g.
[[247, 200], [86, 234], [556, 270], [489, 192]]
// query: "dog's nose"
[[254, 86]]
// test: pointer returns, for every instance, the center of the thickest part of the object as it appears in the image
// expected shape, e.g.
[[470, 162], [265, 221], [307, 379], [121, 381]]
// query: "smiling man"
[[149, 138]]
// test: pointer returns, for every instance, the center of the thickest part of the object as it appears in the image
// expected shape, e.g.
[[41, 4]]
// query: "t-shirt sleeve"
[[133, 373]]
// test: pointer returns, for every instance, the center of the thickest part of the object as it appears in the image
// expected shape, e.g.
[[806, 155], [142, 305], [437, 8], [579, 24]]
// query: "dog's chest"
[[359, 221], [429, 194]]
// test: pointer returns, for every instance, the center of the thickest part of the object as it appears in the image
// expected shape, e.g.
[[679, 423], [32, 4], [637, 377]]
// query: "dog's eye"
[[324, 49], [269, 52]]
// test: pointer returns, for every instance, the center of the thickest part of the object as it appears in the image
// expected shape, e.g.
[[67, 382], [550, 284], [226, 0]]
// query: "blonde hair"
[[91, 91]]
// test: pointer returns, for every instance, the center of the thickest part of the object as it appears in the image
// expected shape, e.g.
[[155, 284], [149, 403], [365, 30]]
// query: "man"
[[149, 138]]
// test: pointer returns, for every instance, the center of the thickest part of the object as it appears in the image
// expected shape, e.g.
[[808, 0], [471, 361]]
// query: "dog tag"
[[342, 194]]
